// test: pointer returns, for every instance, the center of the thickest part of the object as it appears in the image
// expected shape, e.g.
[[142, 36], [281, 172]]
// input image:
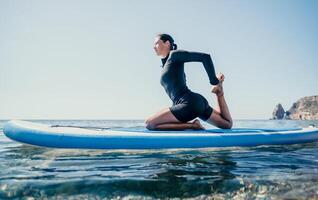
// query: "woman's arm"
[[205, 59]]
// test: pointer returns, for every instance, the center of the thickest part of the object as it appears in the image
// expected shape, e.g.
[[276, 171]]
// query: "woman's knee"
[[228, 125], [217, 120], [150, 125], [225, 124]]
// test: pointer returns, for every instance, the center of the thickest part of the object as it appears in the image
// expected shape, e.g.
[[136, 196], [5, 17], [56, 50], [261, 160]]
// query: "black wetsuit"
[[187, 105]]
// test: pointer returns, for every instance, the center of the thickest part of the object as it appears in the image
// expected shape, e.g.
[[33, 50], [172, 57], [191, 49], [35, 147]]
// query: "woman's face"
[[161, 48]]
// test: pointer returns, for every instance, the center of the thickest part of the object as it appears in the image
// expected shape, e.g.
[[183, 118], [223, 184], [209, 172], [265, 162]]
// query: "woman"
[[187, 105]]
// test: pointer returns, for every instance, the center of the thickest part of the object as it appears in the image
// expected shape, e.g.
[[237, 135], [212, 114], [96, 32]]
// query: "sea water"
[[265, 172]]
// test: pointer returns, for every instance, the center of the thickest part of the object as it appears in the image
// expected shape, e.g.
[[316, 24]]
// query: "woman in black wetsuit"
[[187, 105]]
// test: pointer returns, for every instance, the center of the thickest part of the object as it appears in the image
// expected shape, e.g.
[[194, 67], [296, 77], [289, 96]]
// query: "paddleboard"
[[131, 138]]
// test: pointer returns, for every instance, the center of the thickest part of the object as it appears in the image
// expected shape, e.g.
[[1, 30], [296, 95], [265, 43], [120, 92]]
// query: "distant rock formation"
[[305, 108], [278, 112]]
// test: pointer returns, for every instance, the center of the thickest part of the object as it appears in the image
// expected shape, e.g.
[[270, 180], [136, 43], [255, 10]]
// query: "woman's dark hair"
[[166, 37]]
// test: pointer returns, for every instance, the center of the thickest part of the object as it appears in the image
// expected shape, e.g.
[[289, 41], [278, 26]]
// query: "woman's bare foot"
[[218, 89], [198, 125]]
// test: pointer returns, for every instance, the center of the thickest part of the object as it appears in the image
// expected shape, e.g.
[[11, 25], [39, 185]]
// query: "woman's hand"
[[221, 77], [218, 89]]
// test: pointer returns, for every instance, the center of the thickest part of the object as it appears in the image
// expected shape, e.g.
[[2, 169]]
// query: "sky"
[[79, 59]]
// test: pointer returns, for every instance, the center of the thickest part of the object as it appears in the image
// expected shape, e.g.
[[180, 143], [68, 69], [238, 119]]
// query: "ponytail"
[[174, 47]]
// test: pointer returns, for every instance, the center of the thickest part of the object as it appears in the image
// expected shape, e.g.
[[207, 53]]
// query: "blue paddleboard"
[[129, 138]]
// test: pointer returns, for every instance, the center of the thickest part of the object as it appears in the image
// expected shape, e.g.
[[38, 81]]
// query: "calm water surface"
[[266, 172]]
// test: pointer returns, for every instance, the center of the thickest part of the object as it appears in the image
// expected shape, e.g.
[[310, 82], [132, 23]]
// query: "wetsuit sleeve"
[[205, 59]]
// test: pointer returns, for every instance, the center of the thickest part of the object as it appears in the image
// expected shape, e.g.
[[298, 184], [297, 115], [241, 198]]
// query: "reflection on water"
[[267, 172]]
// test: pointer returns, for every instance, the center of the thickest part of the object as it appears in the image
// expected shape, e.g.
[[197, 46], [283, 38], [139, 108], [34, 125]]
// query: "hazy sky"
[[95, 60]]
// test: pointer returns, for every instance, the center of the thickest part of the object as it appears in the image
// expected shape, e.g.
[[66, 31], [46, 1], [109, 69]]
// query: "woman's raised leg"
[[220, 116]]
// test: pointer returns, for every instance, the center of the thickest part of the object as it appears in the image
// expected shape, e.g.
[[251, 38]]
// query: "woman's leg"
[[165, 120], [220, 116]]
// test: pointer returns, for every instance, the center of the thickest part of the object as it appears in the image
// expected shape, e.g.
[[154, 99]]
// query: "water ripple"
[[266, 172]]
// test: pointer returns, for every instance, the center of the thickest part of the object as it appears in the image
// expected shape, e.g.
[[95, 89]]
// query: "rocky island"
[[305, 108]]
